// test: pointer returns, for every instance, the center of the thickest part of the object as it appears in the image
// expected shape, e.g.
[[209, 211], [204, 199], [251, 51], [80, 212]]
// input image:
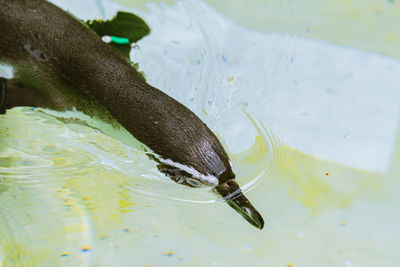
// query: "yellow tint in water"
[[70, 191], [70, 196], [321, 185], [316, 183]]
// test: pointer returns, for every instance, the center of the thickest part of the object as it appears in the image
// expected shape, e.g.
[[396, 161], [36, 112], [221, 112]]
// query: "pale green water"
[[79, 193]]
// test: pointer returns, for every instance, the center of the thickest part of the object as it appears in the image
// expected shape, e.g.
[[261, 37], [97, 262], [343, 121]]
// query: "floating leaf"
[[123, 25]]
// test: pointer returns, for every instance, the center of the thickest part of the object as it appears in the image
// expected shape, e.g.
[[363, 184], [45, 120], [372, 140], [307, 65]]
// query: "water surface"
[[311, 127]]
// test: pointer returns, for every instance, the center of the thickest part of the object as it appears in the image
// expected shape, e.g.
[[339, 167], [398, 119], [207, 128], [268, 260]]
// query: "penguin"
[[59, 63]]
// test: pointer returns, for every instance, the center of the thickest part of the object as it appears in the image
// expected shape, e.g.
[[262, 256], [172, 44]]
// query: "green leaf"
[[125, 25], [122, 25]]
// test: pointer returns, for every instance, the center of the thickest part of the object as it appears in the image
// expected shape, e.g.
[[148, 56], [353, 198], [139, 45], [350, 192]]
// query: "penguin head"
[[224, 185]]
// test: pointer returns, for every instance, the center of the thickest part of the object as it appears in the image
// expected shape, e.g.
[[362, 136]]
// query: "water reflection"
[[81, 193], [83, 182]]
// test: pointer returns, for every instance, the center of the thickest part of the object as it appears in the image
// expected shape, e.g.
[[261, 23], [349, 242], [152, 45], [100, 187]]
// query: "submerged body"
[[59, 63]]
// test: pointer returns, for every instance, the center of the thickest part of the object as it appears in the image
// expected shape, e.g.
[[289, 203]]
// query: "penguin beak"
[[232, 193]]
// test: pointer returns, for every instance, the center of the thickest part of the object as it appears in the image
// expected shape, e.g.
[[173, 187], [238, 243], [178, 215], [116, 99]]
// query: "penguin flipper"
[[17, 94]]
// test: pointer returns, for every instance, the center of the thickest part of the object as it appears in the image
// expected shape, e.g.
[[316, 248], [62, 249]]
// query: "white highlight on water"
[[335, 102], [6, 71]]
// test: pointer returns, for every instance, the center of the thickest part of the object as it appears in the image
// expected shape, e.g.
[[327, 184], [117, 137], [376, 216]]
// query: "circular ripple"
[[251, 166]]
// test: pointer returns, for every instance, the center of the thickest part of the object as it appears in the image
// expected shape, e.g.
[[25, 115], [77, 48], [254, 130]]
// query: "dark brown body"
[[61, 64]]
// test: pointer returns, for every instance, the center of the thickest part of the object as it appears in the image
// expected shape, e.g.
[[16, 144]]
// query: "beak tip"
[[250, 214], [261, 225], [234, 197], [256, 219]]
